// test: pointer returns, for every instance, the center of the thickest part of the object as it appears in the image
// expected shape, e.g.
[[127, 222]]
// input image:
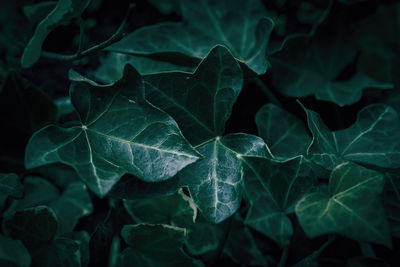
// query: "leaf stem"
[[118, 35], [284, 256], [267, 92], [367, 250]]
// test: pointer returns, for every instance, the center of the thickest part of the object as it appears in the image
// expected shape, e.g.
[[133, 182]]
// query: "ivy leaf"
[[215, 182], [153, 245], [352, 207], [62, 14], [119, 132], [240, 26], [33, 226], [314, 63], [200, 102], [82, 238], [60, 252], [10, 186], [13, 253], [273, 188], [111, 68], [72, 205], [176, 210], [373, 139], [285, 135], [37, 12]]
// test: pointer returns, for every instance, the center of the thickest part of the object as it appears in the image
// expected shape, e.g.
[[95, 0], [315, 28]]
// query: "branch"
[[118, 35]]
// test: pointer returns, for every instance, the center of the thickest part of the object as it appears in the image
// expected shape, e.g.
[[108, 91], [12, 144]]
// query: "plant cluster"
[[200, 133]]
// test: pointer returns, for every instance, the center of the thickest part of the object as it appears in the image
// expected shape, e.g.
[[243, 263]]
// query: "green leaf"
[[314, 62], [113, 65], [119, 132], [273, 188], [72, 205], [241, 26], [200, 102], [285, 135], [10, 186], [167, 6], [37, 191], [153, 245], [60, 252], [37, 12], [13, 252], [352, 207], [82, 238], [215, 182], [33, 226], [176, 210], [373, 139], [62, 14]]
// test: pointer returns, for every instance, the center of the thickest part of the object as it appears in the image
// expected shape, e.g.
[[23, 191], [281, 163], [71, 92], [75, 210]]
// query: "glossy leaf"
[[33, 226], [200, 102], [373, 139], [314, 62], [240, 26], [73, 204], [13, 252], [119, 132], [285, 135], [176, 210], [152, 245], [10, 186], [63, 12], [352, 207], [215, 182], [273, 188]]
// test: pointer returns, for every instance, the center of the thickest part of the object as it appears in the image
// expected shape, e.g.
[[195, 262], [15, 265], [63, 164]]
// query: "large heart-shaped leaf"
[[373, 139], [63, 12], [314, 62], [200, 102], [352, 207], [119, 132], [285, 135], [273, 189], [241, 26], [215, 182]]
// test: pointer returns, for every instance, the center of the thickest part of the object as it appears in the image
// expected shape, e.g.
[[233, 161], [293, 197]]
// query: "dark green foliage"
[[200, 133]]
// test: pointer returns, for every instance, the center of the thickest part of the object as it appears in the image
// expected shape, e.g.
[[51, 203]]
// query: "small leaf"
[[215, 182], [119, 132], [13, 253], [153, 245], [200, 102], [285, 135], [33, 226], [373, 139], [73, 204], [63, 12], [10, 186], [352, 207], [241, 26], [176, 210], [273, 188]]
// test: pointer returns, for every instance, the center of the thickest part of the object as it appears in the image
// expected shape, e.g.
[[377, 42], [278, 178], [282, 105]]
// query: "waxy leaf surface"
[[285, 135], [119, 132], [352, 207], [273, 188], [373, 139], [241, 26]]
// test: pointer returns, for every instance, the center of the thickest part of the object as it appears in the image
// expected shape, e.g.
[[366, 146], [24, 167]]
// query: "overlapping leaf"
[[119, 132], [241, 26], [13, 253], [10, 186], [63, 12], [352, 207], [273, 189], [285, 135], [313, 64], [373, 139]]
